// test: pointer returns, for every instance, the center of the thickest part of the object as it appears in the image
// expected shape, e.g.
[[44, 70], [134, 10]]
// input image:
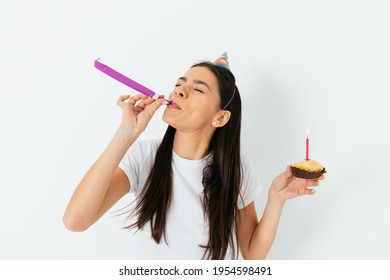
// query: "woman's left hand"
[[287, 186]]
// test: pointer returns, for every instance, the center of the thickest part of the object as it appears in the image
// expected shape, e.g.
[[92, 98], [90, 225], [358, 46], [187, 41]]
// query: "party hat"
[[222, 61]]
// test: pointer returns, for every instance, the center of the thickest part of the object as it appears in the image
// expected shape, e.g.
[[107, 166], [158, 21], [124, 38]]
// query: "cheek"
[[199, 111], [174, 117], [207, 107], [203, 113]]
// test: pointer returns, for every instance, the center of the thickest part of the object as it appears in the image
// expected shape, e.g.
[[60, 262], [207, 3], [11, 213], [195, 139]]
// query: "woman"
[[194, 188]]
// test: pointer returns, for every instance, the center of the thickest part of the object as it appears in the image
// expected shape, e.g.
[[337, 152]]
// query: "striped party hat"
[[222, 61]]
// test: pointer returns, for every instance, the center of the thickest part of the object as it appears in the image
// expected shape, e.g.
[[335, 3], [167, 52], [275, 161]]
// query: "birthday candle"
[[307, 144]]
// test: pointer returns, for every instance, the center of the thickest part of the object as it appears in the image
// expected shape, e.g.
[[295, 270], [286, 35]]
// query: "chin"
[[169, 119], [175, 122]]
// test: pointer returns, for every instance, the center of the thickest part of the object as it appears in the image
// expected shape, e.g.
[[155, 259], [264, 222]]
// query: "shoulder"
[[150, 145], [142, 148], [246, 161], [248, 170], [141, 152], [251, 186], [138, 161]]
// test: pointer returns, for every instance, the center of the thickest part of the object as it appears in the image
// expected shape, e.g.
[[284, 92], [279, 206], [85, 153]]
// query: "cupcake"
[[308, 169]]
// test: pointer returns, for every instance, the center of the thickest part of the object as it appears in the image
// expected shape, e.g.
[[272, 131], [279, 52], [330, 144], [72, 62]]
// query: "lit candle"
[[307, 144]]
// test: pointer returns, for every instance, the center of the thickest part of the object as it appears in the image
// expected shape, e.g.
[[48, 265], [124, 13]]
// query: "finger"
[[152, 108], [122, 98], [287, 173], [136, 98], [145, 102], [167, 100], [309, 191], [312, 183], [121, 102]]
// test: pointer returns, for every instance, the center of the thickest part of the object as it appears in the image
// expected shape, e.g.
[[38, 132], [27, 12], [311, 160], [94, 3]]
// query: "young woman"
[[194, 188]]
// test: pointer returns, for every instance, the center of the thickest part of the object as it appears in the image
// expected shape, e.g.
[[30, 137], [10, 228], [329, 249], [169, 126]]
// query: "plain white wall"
[[322, 65]]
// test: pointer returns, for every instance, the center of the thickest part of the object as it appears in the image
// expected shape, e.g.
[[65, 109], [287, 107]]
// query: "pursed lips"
[[174, 105]]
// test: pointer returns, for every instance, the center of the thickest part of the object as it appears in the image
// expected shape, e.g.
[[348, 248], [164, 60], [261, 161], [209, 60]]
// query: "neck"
[[191, 145]]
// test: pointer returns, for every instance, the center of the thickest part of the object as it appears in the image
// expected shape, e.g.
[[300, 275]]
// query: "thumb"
[[153, 107], [287, 173]]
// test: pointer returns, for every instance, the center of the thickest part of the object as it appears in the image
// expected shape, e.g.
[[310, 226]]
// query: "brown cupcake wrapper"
[[306, 174]]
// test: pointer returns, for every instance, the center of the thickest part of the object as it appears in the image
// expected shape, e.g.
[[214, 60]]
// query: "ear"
[[221, 118]]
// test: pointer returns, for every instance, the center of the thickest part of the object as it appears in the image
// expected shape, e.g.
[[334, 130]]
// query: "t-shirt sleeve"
[[138, 162], [251, 186]]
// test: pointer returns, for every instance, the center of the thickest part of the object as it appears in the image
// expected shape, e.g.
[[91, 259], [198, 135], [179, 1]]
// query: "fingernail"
[[313, 191], [165, 103]]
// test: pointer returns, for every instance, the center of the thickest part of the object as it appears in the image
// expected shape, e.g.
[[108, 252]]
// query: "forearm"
[[264, 233], [90, 192]]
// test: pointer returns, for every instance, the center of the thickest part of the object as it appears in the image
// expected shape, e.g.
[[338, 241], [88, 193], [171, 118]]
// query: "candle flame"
[[307, 132]]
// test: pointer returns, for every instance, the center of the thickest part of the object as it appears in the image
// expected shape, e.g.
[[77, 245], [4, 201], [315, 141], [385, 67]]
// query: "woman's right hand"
[[138, 110]]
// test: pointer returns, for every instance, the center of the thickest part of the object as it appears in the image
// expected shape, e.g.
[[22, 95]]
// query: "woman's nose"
[[181, 92]]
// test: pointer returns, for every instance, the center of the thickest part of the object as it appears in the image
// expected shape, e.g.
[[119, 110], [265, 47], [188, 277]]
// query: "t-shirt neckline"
[[190, 162]]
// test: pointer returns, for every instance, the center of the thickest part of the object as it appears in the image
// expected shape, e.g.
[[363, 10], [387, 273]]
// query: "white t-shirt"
[[186, 226]]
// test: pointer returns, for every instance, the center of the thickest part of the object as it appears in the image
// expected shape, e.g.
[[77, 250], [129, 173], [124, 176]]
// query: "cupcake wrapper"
[[306, 174]]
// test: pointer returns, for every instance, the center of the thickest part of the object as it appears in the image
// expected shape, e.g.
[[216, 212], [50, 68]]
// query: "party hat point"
[[222, 61]]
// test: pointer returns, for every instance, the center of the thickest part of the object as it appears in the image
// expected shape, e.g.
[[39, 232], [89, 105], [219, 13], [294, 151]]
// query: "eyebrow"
[[196, 82]]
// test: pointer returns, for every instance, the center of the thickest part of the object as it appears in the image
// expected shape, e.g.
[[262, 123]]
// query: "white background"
[[322, 65]]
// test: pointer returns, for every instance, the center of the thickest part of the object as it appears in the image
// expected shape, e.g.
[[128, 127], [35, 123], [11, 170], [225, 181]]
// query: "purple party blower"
[[125, 80]]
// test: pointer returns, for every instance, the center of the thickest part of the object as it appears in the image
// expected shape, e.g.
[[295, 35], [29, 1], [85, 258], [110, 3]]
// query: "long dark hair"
[[221, 178]]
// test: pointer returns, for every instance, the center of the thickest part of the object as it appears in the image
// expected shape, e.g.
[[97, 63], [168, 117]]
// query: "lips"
[[174, 105]]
